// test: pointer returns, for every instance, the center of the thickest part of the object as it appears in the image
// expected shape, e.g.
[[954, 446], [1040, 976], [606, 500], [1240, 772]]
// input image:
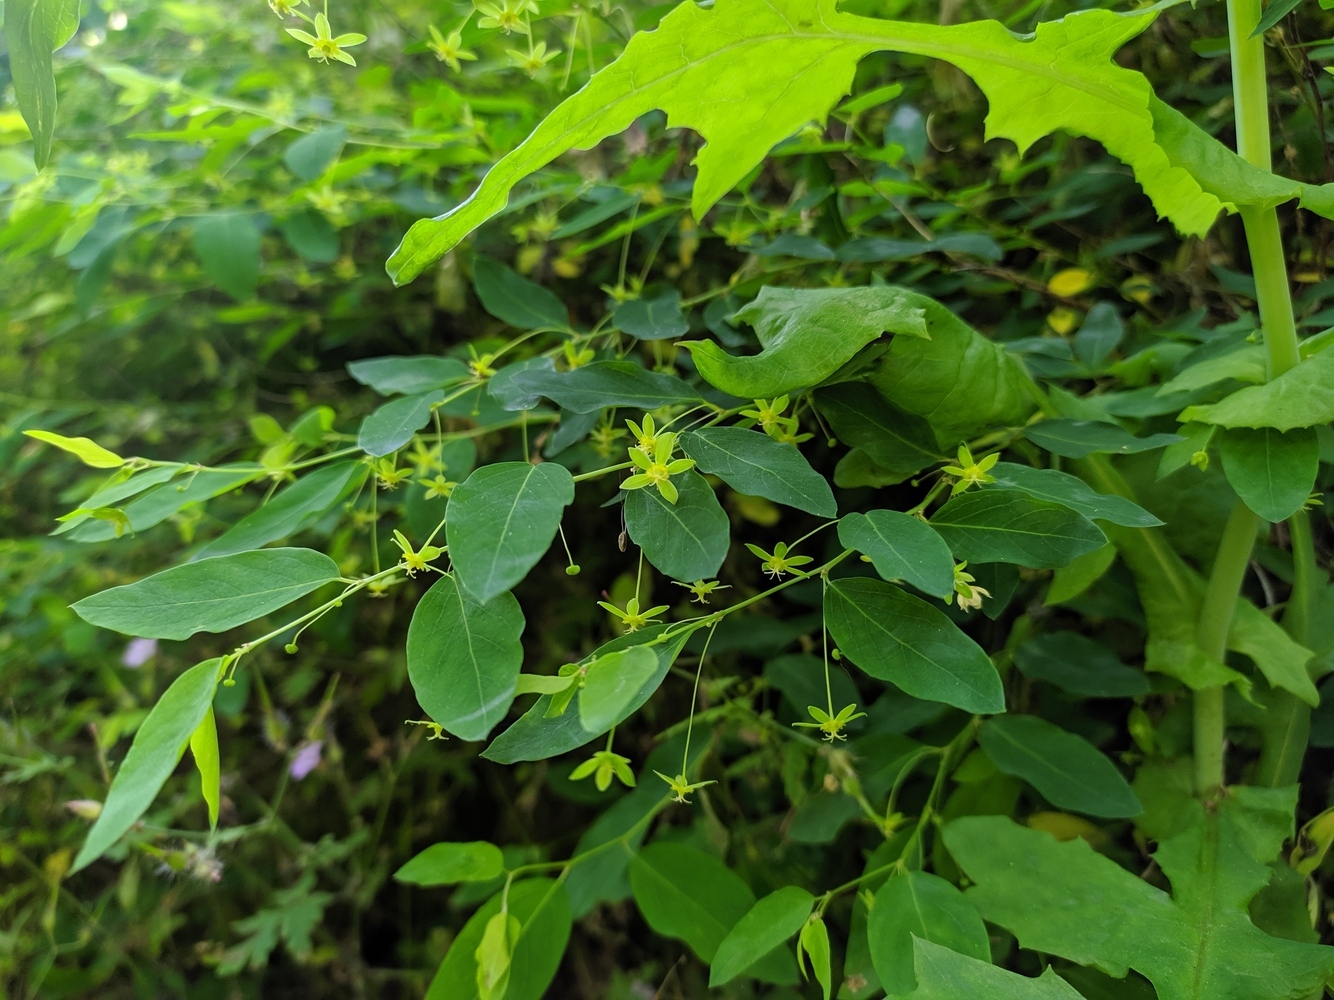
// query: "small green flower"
[[437, 487], [778, 562], [285, 8], [645, 437], [831, 726], [681, 787], [970, 473], [605, 765], [701, 589], [575, 358], [768, 413], [658, 467], [532, 61], [481, 364], [437, 731], [966, 592], [507, 15], [631, 617], [323, 46], [424, 457], [414, 561], [449, 50], [387, 471]]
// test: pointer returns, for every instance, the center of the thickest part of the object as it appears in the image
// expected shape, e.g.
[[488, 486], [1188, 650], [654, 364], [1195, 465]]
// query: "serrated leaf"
[[1072, 492], [1077, 664], [290, 511], [1002, 525], [594, 387], [1066, 769], [158, 745], [393, 424], [766, 925], [33, 30], [1272, 471], [407, 374], [501, 521], [686, 540], [915, 906], [204, 750], [451, 863], [211, 595], [686, 894], [511, 297], [899, 638], [901, 547], [464, 657], [86, 450], [754, 464], [1080, 438], [611, 683]]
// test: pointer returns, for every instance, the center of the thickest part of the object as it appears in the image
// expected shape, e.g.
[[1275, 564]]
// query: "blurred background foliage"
[[188, 280]]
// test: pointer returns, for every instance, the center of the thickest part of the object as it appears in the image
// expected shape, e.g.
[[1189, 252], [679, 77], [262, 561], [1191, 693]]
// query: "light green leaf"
[[594, 387], [543, 911], [191, 486], [1272, 471], [765, 926], [204, 750], [756, 465], [501, 521], [1072, 492], [1301, 397], [86, 450], [408, 375], [1078, 438], [514, 299], [807, 335], [292, 510], [450, 863], [901, 547], [228, 251], [1076, 576], [392, 425], [686, 894], [943, 974], [658, 318], [464, 657], [310, 155], [1245, 364], [157, 747], [118, 489], [542, 684], [1077, 664], [1002, 525], [898, 638], [900, 443], [686, 540], [814, 944], [611, 683], [211, 595], [917, 906], [1066, 769], [1198, 944], [33, 30]]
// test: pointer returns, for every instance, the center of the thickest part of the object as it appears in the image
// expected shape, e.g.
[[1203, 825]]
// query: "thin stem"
[[694, 697]]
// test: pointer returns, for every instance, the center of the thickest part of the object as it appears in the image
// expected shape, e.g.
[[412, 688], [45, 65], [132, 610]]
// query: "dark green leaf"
[[1275, 12], [594, 387], [228, 250], [408, 375], [1078, 438], [310, 235], [756, 465], [900, 442], [916, 905], [33, 30], [899, 638], [871, 249], [211, 595], [943, 974], [658, 318], [310, 156], [1000, 525], [611, 684], [1099, 334], [392, 425], [158, 745], [464, 657], [502, 519], [1272, 471], [1064, 489], [290, 511], [512, 395], [686, 894], [765, 926], [447, 864], [514, 299], [686, 540], [901, 547], [1079, 665], [1069, 771]]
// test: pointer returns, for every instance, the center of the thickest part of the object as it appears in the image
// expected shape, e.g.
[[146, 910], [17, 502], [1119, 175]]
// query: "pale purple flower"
[[138, 652], [306, 760]]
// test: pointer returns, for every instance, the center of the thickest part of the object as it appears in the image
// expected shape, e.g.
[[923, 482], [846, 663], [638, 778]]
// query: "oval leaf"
[[204, 750], [686, 540], [1080, 666], [1272, 471], [756, 465], [1065, 489], [86, 450], [918, 905], [290, 511], [901, 547], [408, 375], [765, 926], [594, 387], [611, 684], [511, 297], [686, 894], [393, 424], [1078, 438], [449, 863], [1007, 526]]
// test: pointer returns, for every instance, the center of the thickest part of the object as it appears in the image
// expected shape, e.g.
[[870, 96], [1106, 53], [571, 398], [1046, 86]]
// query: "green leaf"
[[119, 489], [1198, 944], [901, 443], [594, 387], [450, 863], [1079, 438], [228, 251], [896, 637], [686, 894], [1075, 577], [204, 750], [1275, 12], [901, 547], [1245, 364], [86, 450], [756, 465], [508, 393], [1001, 525], [917, 906], [814, 944], [764, 927], [543, 911], [1099, 334], [464, 657], [1066, 769], [514, 299], [309, 233], [807, 334], [210, 595], [310, 156], [1272, 471], [534, 736], [392, 425], [658, 318], [501, 521], [1077, 664], [193, 487], [33, 30], [686, 540], [408, 375], [1069, 491], [292, 510], [157, 747], [611, 683], [943, 974]]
